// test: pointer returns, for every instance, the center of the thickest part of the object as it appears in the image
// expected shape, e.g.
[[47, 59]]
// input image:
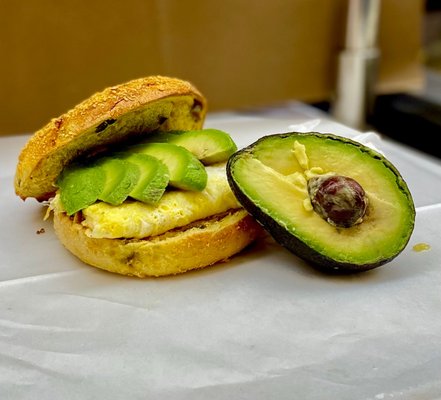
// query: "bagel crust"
[[198, 245], [130, 109]]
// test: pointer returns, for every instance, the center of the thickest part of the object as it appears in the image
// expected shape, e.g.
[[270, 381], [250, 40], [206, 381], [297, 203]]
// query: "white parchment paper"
[[263, 326]]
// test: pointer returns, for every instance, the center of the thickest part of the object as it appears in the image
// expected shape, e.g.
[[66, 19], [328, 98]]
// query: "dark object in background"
[[409, 119], [406, 118], [432, 5]]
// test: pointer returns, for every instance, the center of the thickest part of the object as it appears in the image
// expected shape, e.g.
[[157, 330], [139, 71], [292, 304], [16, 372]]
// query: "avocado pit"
[[340, 200]]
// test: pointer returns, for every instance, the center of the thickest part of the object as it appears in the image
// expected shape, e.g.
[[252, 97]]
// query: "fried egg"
[[177, 208]]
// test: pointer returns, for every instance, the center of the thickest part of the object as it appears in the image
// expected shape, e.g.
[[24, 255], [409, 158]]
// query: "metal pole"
[[357, 64]]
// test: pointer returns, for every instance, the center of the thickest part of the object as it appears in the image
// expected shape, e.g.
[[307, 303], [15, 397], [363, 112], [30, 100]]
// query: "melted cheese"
[[177, 208]]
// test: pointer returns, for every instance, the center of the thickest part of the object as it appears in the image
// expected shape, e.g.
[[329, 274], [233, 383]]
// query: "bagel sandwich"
[[120, 201]]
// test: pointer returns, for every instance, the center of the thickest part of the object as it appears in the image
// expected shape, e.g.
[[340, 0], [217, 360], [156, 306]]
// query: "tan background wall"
[[238, 52]]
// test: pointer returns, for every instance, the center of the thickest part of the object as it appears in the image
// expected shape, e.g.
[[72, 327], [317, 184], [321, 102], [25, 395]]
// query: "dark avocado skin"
[[292, 243]]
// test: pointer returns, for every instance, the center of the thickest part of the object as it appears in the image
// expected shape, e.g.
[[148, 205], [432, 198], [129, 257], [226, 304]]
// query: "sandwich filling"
[[177, 208]]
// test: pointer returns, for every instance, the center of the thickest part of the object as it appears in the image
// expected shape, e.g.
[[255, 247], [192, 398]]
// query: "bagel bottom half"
[[200, 244]]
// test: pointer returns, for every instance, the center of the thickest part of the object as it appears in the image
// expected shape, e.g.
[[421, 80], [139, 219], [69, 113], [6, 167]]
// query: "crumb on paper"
[[40, 231]]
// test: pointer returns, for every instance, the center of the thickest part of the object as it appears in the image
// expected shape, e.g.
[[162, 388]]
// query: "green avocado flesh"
[[121, 177], [186, 171], [81, 186], [210, 146], [270, 179], [143, 171], [153, 177]]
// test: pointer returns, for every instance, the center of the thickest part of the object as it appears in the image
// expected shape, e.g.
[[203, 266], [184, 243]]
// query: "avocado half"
[[272, 179]]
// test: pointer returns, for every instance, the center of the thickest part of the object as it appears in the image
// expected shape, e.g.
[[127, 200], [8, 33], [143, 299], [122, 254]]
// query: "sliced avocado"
[[80, 186], [185, 170], [153, 178], [336, 203], [121, 177], [210, 146]]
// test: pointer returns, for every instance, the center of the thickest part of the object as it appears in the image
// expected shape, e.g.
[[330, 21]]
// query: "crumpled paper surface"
[[263, 326]]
